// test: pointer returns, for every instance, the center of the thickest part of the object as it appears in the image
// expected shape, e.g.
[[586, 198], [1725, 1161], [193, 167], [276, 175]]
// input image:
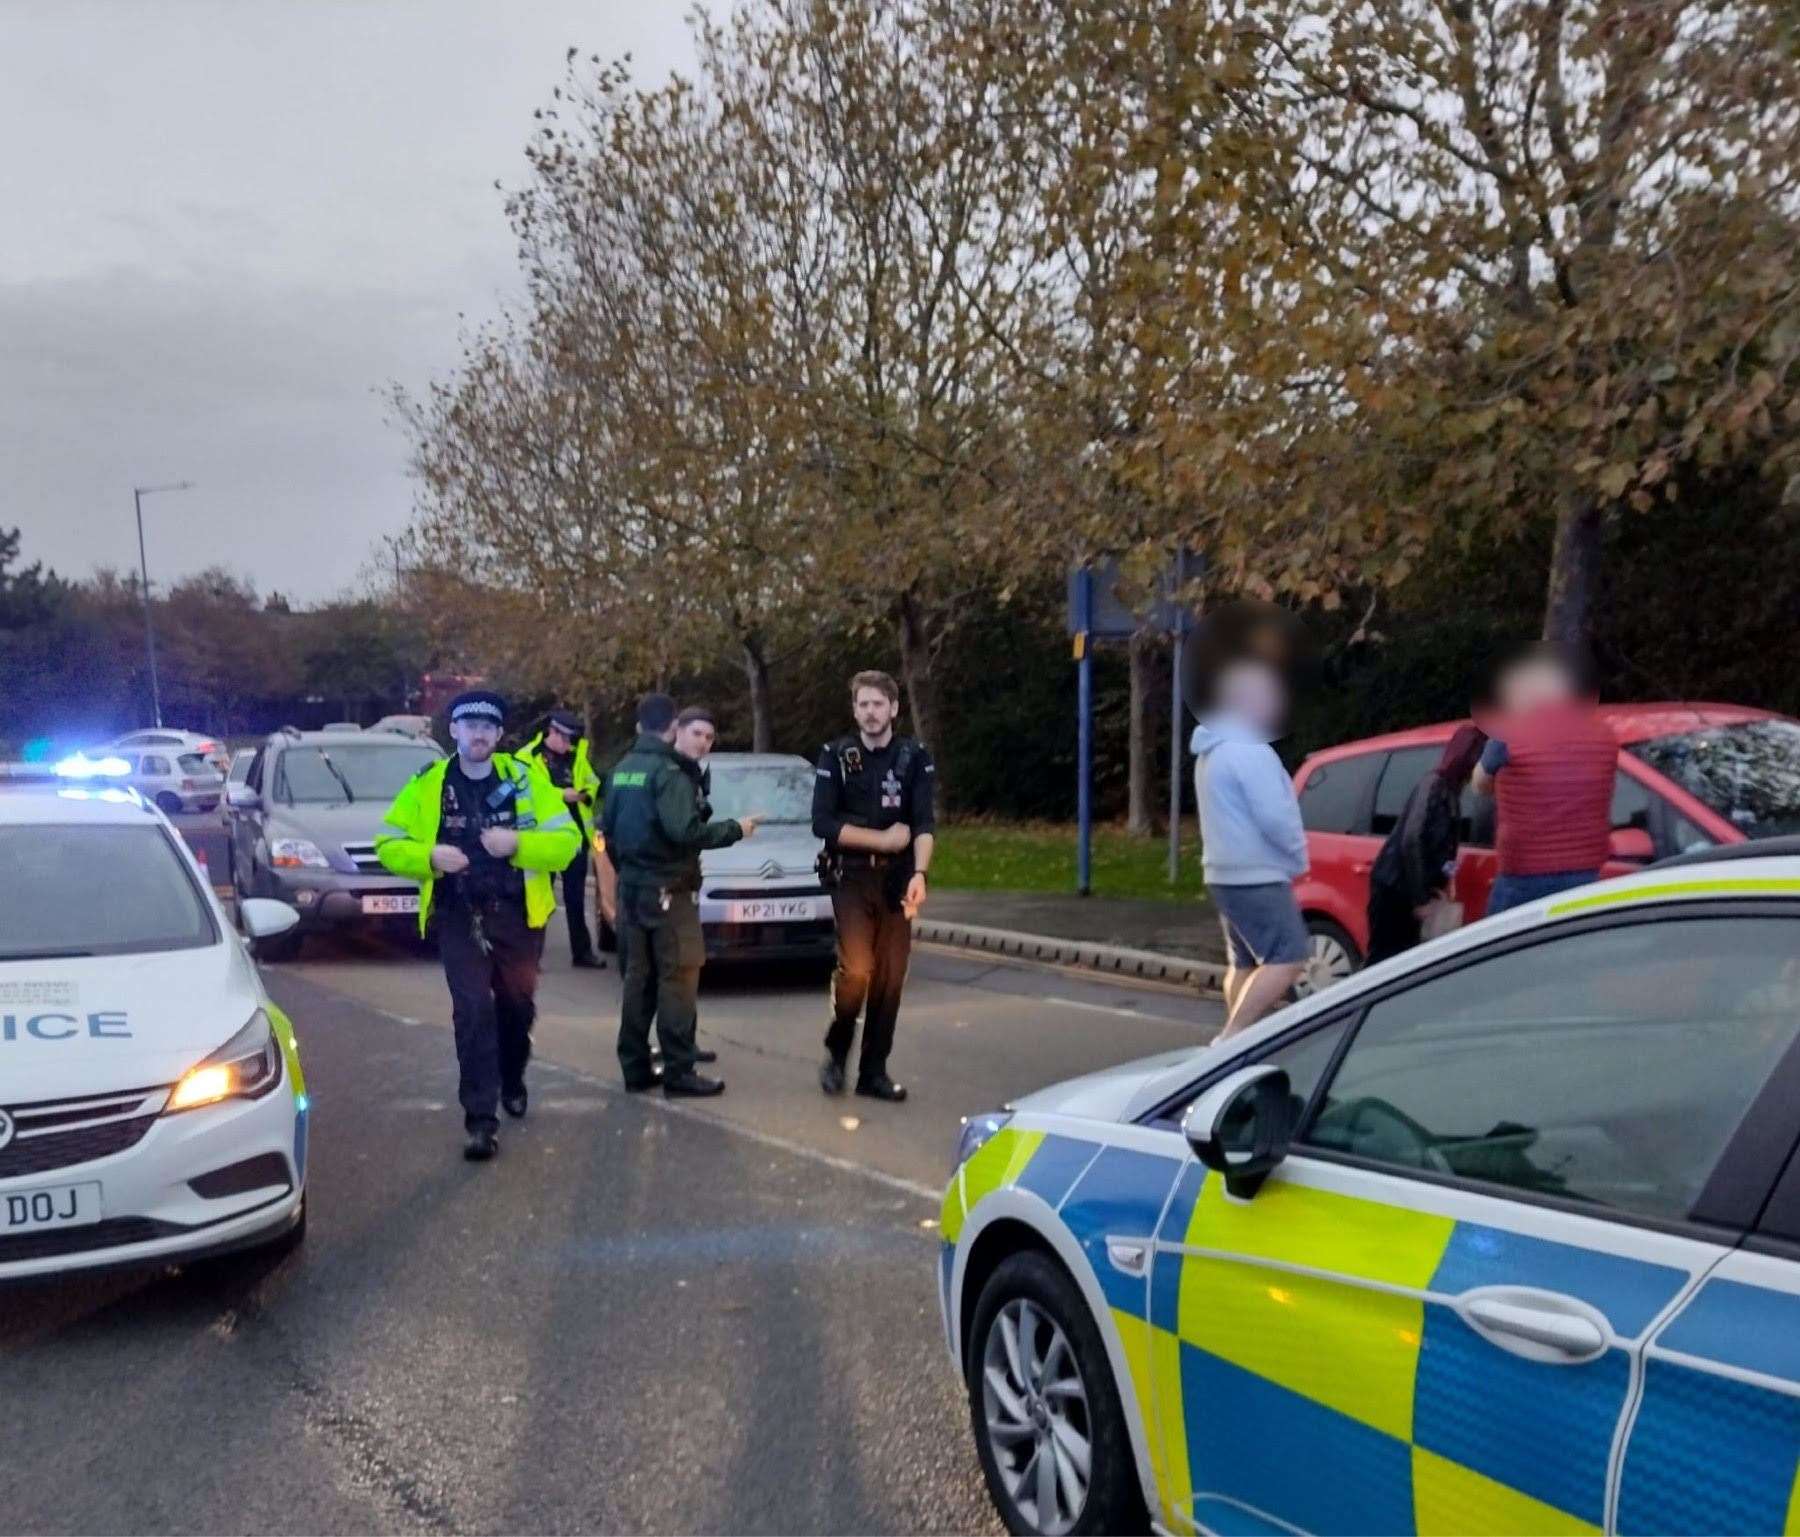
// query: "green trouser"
[[660, 952]]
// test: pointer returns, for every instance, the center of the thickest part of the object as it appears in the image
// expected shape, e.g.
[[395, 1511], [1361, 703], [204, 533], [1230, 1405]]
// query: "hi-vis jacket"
[[549, 837], [585, 780]]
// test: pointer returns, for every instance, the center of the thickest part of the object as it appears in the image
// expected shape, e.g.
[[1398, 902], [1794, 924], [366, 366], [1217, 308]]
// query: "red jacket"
[[1555, 792]]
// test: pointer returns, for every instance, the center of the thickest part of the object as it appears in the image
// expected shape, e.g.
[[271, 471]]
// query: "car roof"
[[1729, 876], [357, 738], [58, 804], [1629, 722]]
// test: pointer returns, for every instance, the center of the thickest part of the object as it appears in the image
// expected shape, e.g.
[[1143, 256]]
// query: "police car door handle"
[[1542, 1327], [1128, 1254]]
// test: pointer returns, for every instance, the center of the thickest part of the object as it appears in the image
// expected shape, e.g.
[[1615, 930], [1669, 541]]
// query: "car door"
[[1431, 1317], [247, 828]]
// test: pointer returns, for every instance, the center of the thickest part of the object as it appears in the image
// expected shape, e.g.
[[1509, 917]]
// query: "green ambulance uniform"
[[655, 830]]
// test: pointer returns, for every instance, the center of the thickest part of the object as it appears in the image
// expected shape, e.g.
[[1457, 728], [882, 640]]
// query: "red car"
[[1690, 775]]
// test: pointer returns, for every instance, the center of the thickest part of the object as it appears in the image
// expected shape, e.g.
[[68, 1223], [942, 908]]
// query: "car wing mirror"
[[1243, 1126], [264, 918], [242, 798]]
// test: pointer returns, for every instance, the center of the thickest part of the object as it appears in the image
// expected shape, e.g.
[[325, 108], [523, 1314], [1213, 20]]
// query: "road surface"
[[642, 1317]]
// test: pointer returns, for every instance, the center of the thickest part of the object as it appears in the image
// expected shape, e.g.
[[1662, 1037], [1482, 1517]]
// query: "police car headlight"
[[977, 1129], [245, 1067], [296, 854]]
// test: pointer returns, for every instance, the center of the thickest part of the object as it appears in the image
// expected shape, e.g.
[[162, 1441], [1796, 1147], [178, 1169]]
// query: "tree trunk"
[[1574, 576], [756, 670], [921, 684], [1137, 768]]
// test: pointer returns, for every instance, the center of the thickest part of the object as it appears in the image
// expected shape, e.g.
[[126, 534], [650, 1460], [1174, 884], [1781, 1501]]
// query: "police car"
[[1499, 1236], [152, 1106]]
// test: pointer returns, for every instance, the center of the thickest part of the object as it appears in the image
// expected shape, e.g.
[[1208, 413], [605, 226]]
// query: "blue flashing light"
[[81, 766]]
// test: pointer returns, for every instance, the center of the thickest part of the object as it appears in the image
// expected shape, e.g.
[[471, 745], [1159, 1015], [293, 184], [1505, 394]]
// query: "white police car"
[[152, 1106], [1499, 1236]]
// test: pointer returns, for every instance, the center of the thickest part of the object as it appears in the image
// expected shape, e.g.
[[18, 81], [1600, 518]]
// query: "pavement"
[[1188, 929], [644, 1316]]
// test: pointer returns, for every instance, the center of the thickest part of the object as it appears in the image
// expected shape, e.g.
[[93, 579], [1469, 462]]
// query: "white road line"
[[680, 1111]]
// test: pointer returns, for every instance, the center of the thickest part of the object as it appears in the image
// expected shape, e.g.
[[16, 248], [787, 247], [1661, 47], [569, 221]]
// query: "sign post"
[[1084, 728]]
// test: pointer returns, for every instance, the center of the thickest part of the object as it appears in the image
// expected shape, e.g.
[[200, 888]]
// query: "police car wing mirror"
[[242, 798], [1243, 1126], [264, 918]]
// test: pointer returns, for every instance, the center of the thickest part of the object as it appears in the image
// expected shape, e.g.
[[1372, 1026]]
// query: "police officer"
[[655, 827], [562, 750], [872, 804], [482, 834]]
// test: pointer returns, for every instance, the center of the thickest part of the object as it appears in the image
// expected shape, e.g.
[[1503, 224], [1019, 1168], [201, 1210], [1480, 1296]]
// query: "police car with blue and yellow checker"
[[152, 1105], [1500, 1236]]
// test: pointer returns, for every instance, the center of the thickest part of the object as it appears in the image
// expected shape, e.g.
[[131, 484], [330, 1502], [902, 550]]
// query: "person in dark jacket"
[[1415, 864]]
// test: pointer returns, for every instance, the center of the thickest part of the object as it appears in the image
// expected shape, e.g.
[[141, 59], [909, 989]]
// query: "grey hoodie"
[[1250, 829]]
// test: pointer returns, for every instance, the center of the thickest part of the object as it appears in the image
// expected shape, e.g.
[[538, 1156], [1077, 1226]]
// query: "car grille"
[[362, 855], [110, 1234], [57, 1134]]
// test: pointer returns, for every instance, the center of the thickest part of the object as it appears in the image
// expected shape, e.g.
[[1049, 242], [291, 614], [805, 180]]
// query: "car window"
[[354, 771], [1610, 1066], [193, 763], [1748, 773], [1475, 828], [1686, 836], [240, 767], [1631, 803], [1335, 797], [1398, 780], [782, 792], [155, 765], [56, 903]]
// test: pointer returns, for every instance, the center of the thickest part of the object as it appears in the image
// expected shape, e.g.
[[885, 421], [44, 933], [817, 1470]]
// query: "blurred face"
[[1254, 693], [475, 739], [695, 739], [557, 740], [874, 712], [1533, 684]]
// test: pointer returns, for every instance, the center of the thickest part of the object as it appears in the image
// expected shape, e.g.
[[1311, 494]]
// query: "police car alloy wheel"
[[1048, 1424]]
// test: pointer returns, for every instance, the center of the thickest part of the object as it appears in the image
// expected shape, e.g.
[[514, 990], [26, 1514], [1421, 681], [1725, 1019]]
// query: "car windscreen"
[[364, 772], [781, 792], [192, 763], [1749, 773], [93, 890]]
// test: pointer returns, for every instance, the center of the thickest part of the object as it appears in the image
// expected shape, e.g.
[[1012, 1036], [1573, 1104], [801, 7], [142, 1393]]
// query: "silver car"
[[304, 824], [178, 781], [168, 741], [761, 899]]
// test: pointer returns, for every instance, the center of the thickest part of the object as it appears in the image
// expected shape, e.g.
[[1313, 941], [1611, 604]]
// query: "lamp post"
[[138, 493]]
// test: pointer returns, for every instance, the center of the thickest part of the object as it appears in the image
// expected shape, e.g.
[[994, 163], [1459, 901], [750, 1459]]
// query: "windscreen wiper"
[[337, 774], [43, 955]]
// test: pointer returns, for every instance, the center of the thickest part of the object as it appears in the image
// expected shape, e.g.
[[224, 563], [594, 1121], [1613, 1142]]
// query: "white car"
[[152, 1106], [1501, 1235], [172, 743]]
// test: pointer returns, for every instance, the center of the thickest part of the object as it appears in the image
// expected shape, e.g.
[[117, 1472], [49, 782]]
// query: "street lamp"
[[138, 493]]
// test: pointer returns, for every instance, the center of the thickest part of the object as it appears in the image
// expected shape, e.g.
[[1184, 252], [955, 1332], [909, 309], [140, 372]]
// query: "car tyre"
[[1332, 956], [277, 948], [168, 803], [1033, 1289]]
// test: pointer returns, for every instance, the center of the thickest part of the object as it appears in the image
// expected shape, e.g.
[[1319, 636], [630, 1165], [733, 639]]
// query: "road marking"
[[685, 1112]]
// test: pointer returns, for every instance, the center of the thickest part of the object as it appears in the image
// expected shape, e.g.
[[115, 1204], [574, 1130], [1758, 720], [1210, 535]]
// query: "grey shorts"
[[1262, 925]]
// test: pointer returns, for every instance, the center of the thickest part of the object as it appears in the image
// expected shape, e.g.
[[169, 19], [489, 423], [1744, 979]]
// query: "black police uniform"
[[490, 951], [560, 766], [873, 787], [656, 823]]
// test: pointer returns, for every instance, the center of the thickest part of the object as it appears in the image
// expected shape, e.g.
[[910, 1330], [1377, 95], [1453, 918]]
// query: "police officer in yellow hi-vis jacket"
[[562, 750], [482, 834]]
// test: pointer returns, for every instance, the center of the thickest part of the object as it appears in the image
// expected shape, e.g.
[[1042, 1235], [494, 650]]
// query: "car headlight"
[[296, 854], [245, 1067], [977, 1129]]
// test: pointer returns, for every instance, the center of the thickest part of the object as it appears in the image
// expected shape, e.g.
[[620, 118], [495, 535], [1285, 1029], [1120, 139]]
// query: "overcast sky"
[[225, 226]]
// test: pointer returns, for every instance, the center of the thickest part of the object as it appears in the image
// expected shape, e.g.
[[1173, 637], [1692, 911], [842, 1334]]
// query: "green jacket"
[[545, 847], [586, 780], [653, 823]]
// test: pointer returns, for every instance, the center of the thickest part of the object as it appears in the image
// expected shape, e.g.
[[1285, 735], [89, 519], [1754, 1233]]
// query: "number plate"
[[30, 1211], [773, 910], [394, 904]]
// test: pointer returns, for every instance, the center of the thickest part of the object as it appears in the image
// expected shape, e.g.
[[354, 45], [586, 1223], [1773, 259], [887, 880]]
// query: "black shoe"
[[587, 963], [831, 1075], [691, 1085], [701, 1055], [483, 1143], [880, 1086], [514, 1104], [640, 1085]]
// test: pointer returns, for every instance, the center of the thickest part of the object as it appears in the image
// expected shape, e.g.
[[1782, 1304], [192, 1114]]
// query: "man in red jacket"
[[1550, 764]]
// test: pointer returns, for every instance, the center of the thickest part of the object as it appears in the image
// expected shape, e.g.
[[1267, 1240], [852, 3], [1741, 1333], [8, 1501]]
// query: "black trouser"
[[574, 886], [493, 1001], [1393, 926], [874, 943], [660, 953]]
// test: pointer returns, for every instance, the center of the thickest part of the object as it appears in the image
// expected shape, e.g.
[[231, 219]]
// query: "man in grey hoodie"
[[1253, 845]]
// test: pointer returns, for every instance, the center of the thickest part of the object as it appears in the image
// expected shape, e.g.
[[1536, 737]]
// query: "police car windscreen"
[[781, 791], [96, 891], [371, 773]]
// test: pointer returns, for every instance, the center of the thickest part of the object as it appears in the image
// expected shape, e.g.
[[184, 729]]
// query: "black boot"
[[880, 1086], [691, 1085], [515, 1104], [483, 1143], [831, 1074], [639, 1085]]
